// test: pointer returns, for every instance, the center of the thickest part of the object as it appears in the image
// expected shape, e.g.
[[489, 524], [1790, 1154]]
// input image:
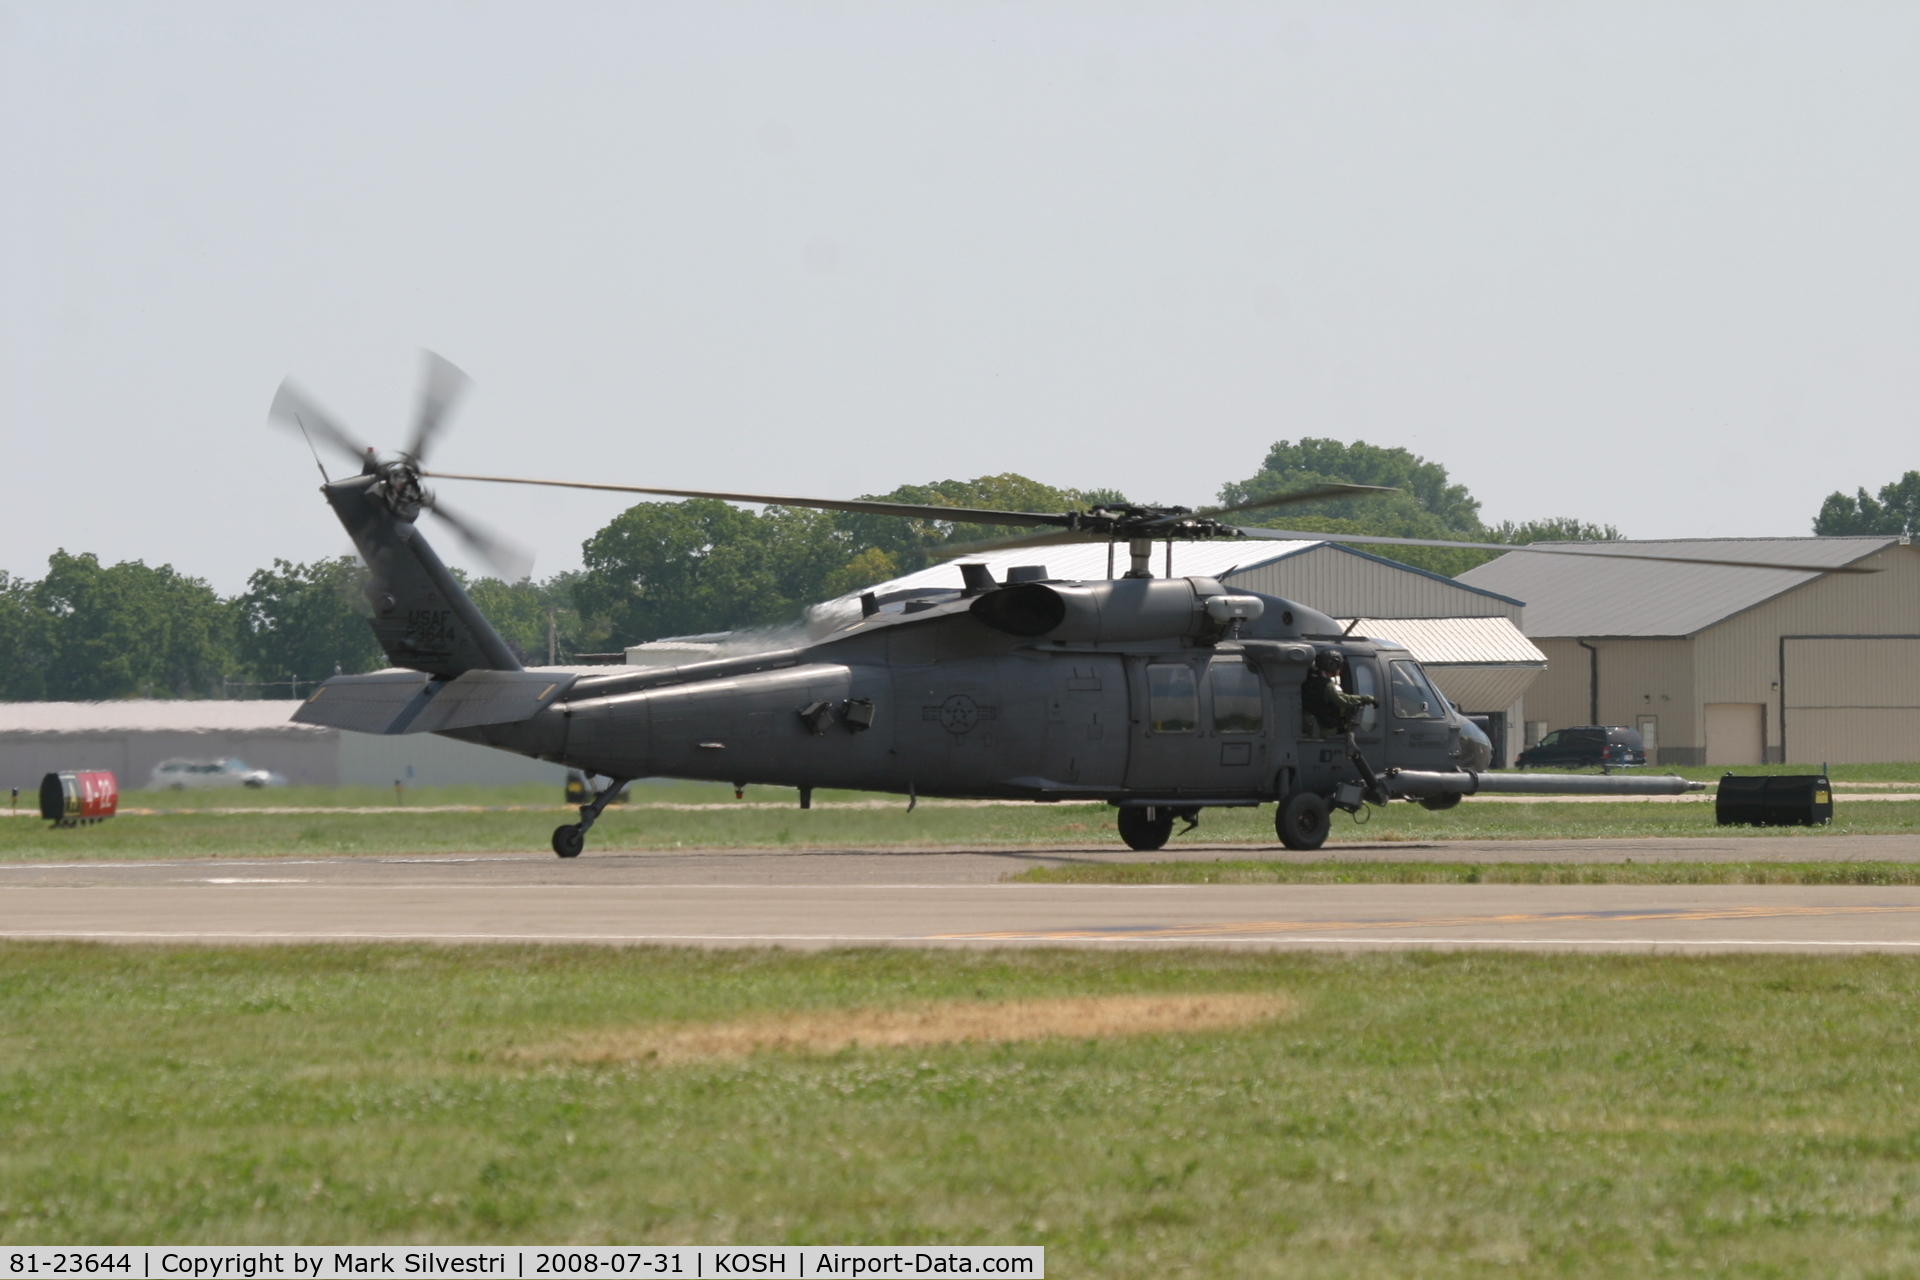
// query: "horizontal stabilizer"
[[412, 702], [383, 702], [490, 697]]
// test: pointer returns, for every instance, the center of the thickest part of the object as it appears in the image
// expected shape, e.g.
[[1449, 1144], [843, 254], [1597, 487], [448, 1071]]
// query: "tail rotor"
[[398, 477]]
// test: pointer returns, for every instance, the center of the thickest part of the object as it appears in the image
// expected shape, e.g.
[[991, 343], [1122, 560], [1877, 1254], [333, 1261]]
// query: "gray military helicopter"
[[1162, 697]]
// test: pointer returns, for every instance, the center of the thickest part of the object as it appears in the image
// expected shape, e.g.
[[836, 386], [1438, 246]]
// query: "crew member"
[[1324, 705]]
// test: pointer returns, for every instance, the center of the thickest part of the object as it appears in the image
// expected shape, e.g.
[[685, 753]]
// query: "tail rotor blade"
[[292, 407], [441, 383], [513, 561]]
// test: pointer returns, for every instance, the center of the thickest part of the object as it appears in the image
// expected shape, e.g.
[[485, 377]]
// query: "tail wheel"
[[1303, 821], [1145, 828], [568, 841]]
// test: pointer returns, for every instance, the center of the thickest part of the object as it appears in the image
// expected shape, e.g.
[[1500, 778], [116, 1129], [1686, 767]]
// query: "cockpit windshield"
[[1413, 698]]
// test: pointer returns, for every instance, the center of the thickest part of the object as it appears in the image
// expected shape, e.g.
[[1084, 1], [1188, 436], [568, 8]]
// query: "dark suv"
[[1586, 744]]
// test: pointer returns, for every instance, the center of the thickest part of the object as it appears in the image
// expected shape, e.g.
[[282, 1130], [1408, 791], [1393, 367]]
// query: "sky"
[[1653, 265]]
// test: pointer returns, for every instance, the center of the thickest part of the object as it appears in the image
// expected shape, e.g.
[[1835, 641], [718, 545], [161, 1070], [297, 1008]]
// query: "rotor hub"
[[1125, 523]]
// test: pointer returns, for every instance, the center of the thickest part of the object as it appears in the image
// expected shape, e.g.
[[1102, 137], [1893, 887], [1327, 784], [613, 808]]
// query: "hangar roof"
[[1596, 597], [1451, 641], [150, 715]]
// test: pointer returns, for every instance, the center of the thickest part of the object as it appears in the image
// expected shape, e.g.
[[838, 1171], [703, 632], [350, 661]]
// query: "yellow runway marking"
[[1427, 922]]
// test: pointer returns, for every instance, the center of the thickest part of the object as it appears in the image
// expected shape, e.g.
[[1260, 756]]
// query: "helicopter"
[[1159, 696]]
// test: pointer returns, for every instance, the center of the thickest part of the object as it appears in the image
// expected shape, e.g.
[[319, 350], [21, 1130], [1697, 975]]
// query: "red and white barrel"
[[69, 799]]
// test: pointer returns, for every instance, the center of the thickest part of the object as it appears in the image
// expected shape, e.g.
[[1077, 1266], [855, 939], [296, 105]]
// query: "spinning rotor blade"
[[1144, 529], [440, 385], [514, 561], [961, 515], [292, 407], [1287, 499], [1534, 548]]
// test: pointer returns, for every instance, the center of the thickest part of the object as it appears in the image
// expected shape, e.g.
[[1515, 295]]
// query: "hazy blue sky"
[[1652, 264]]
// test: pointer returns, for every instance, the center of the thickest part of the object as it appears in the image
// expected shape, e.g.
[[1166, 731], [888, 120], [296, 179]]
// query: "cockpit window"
[[1236, 697], [1413, 697], [1173, 703]]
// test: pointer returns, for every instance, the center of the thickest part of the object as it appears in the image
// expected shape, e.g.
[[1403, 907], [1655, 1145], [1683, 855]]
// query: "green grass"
[[636, 827], [1357, 872], [1431, 1115]]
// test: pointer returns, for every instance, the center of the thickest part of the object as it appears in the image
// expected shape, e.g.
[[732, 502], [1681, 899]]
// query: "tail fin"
[[421, 615]]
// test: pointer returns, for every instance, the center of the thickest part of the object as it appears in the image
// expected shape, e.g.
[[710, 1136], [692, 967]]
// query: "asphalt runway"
[[825, 898]]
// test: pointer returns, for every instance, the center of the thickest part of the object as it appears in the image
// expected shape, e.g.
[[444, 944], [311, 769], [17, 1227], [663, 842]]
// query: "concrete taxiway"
[[823, 898]]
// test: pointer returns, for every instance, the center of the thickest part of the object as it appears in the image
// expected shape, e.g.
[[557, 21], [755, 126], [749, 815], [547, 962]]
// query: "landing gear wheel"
[[1445, 800], [1303, 821], [569, 840], [1145, 829]]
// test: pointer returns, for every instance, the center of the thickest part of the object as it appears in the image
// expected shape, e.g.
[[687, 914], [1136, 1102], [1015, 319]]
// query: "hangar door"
[[1850, 699]]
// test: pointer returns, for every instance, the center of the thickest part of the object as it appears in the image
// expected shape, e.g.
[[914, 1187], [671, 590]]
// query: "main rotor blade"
[[293, 408], [1319, 493], [440, 385], [959, 515], [1534, 548], [513, 561], [1056, 538]]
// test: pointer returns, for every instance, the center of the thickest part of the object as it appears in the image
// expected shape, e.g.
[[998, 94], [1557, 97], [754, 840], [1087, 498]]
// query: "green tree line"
[[1895, 511], [88, 630]]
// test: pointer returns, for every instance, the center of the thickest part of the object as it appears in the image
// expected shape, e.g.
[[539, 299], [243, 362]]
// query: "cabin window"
[[1236, 698], [1173, 702], [1364, 679], [1413, 697]]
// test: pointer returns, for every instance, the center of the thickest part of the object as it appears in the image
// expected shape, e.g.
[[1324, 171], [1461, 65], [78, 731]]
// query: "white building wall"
[[380, 760], [1738, 661]]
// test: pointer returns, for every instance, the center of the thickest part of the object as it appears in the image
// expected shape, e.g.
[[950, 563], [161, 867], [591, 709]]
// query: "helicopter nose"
[[1476, 749]]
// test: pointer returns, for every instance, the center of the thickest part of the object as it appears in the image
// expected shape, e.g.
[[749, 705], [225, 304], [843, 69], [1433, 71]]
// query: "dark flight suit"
[[1326, 707]]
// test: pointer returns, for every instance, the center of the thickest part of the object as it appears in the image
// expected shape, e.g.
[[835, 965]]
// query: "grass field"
[[655, 826], [1431, 1115]]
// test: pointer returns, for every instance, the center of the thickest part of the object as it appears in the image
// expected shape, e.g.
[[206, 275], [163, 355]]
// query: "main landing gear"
[[569, 840], [1149, 827], [1303, 820]]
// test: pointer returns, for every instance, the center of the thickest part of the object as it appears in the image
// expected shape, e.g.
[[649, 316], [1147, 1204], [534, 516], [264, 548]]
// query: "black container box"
[[1784, 800]]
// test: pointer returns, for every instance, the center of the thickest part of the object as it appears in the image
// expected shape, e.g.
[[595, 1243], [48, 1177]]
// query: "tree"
[[688, 568], [1429, 505], [883, 547], [24, 641], [127, 630], [1896, 512], [305, 621], [909, 542], [1425, 493], [521, 611], [1556, 529]]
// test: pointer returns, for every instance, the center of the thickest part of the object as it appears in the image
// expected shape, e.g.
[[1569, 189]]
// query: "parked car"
[[180, 775], [1587, 744]]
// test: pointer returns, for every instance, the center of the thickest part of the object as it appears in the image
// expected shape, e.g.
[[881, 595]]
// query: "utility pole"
[[553, 639]]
